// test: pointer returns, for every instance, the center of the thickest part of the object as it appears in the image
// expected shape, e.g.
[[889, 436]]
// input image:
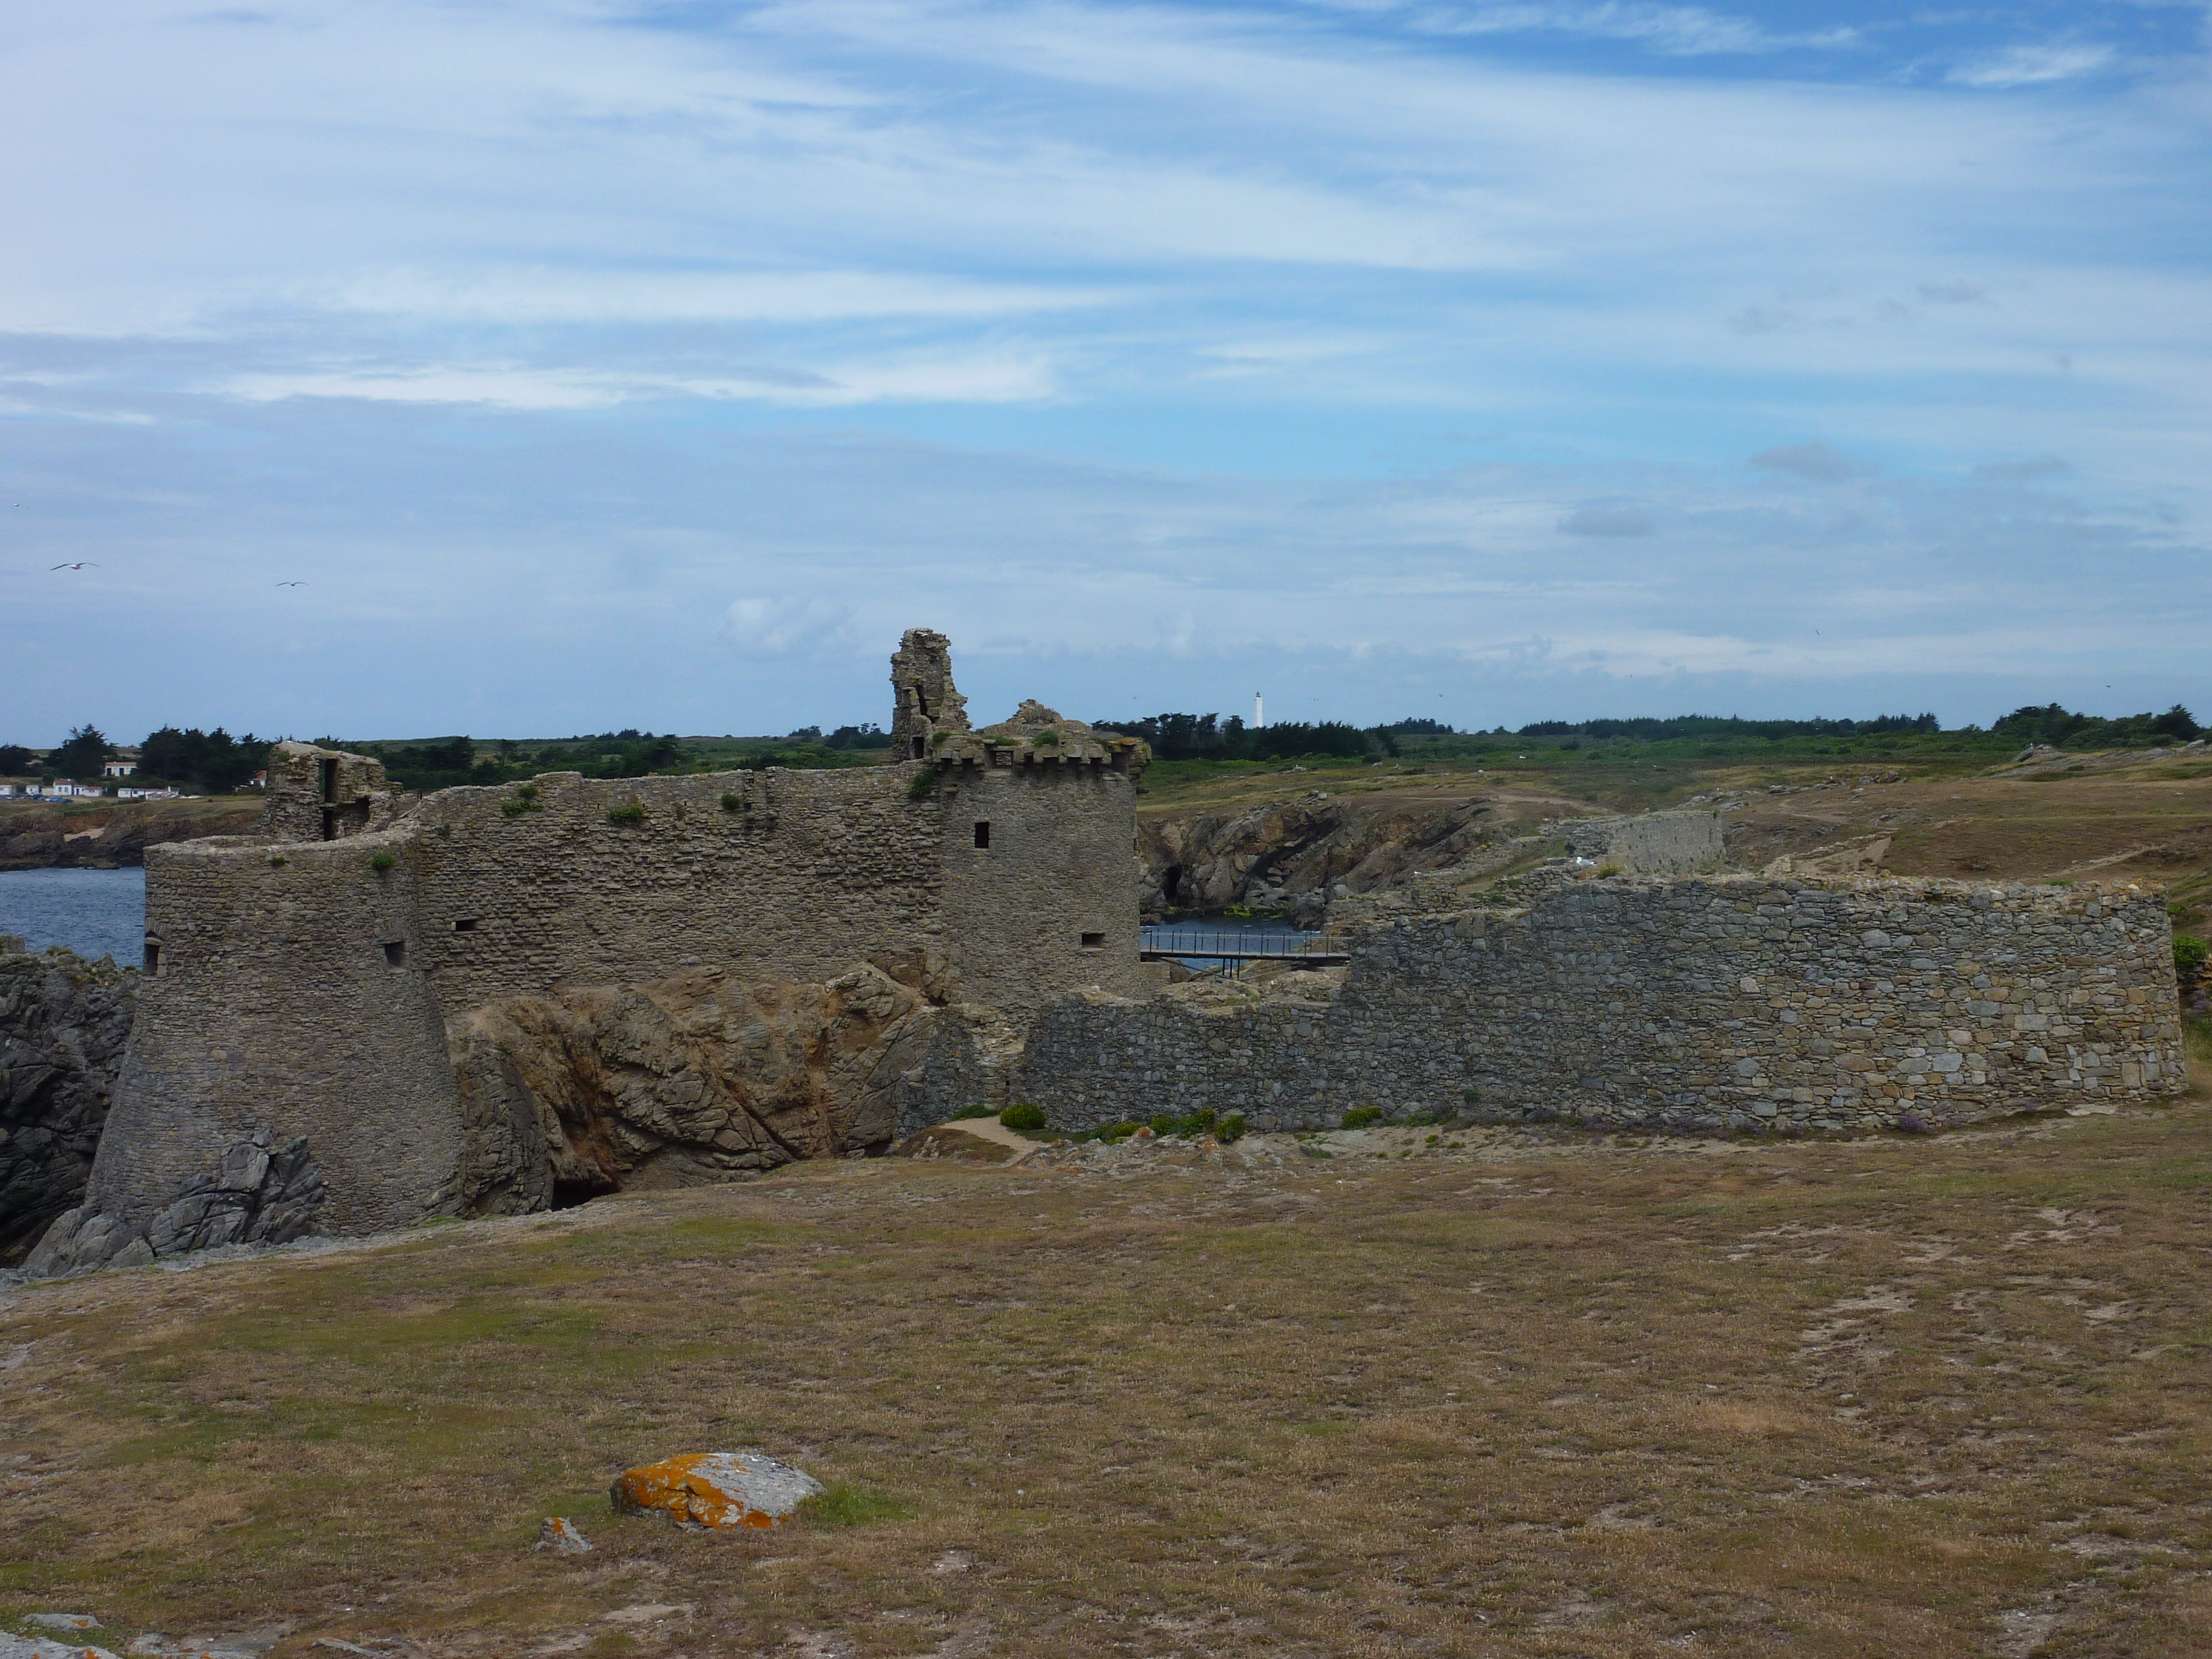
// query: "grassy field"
[[1488, 1392]]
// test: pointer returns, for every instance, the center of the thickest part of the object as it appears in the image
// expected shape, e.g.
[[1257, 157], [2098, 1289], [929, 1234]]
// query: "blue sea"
[[96, 912]]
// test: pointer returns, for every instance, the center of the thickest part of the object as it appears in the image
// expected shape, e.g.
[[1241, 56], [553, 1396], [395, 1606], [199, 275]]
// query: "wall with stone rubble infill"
[[1693, 1005]]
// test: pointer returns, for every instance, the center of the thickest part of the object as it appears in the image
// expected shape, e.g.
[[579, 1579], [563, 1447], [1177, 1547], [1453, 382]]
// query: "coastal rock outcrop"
[[254, 1196], [112, 836], [63, 1024], [701, 1077]]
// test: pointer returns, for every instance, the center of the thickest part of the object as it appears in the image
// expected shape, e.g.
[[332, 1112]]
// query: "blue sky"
[[598, 364]]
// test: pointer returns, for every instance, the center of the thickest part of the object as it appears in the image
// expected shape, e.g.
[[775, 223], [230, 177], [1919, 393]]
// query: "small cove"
[[94, 913]]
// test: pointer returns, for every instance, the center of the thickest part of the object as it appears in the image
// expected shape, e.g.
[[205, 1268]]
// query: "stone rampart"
[[304, 984], [1703, 1004]]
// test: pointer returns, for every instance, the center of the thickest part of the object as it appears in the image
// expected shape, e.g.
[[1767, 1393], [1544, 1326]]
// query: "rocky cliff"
[[1289, 855], [63, 1024], [683, 1081], [112, 836]]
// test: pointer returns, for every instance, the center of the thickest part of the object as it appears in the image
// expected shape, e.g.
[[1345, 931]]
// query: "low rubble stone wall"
[[1689, 1004]]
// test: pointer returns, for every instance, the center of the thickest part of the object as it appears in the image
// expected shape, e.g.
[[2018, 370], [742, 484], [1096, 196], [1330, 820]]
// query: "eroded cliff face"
[[700, 1079], [112, 836], [63, 1024], [1289, 855]]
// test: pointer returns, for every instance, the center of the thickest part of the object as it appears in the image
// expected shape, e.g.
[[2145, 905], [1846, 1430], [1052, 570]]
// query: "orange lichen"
[[716, 1490]]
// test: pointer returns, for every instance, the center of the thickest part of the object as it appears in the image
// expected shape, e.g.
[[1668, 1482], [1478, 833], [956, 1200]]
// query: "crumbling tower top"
[[925, 700]]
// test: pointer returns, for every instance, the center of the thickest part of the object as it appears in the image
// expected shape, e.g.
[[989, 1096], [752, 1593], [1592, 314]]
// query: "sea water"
[[96, 912]]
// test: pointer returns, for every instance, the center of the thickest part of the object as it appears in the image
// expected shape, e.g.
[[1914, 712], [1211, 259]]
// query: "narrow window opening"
[[1094, 941], [983, 833], [395, 953], [153, 957], [330, 779], [920, 748], [330, 824], [467, 925]]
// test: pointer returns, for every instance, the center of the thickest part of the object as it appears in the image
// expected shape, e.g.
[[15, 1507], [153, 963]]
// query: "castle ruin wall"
[[1702, 1004]]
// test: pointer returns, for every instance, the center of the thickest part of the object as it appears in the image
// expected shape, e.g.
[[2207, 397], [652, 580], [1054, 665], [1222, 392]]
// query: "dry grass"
[[1529, 1397]]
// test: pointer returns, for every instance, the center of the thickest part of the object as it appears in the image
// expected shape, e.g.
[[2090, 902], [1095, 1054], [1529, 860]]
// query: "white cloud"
[[2031, 66], [776, 627]]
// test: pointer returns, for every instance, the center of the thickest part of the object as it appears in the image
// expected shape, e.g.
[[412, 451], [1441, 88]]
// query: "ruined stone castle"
[[381, 1009]]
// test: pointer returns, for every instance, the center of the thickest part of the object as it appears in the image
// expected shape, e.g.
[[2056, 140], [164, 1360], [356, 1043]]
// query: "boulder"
[[715, 1491], [40, 1647]]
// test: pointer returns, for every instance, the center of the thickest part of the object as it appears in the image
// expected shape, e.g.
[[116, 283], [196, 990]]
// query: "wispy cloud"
[[1130, 337], [2032, 65]]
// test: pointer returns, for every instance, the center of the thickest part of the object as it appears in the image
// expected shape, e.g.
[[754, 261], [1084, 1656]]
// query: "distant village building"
[[119, 767]]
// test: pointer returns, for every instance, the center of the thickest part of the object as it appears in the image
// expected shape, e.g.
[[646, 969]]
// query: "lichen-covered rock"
[[716, 1490], [698, 1078], [558, 1533], [40, 1647], [63, 1022]]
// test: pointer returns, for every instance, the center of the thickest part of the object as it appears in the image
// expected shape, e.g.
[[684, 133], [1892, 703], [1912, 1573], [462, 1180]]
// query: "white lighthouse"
[[1259, 712]]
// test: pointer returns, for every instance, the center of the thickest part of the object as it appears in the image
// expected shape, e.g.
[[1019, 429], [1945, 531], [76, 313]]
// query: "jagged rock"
[[715, 1491], [703, 1078], [63, 1024], [255, 1197], [112, 835]]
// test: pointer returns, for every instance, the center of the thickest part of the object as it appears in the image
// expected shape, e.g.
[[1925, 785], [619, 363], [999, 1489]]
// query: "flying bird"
[[291, 584], [79, 565]]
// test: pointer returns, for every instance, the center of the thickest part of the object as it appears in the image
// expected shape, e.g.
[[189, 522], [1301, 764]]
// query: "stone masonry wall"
[[298, 988], [1691, 1005]]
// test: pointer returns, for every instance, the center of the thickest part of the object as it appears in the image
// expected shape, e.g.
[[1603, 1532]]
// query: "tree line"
[[214, 762]]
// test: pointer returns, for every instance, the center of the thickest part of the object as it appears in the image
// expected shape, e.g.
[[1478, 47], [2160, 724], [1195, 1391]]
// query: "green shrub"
[[1045, 737], [967, 1112], [1360, 1117], [1162, 1123], [924, 781], [844, 1504], [514, 809], [2189, 954], [632, 814], [1230, 1129], [1024, 1116], [733, 803], [1472, 1096], [382, 862], [1605, 870]]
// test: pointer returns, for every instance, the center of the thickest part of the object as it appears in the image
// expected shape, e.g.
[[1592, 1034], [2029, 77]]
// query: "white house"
[[119, 768]]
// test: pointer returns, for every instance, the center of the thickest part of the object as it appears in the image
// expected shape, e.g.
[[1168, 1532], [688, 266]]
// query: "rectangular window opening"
[[330, 779], [465, 926], [330, 824], [1094, 941], [920, 747], [153, 957], [395, 954], [983, 833]]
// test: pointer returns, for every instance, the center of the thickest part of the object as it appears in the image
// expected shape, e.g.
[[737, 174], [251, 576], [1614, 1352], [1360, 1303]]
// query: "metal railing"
[[1236, 944]]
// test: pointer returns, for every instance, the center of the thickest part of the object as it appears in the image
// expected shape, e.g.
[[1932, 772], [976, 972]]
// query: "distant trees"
[[2063, 729], [213, 761], [1648, 730], [868, 735], [87, 750], [1208, 737], [16, 760]]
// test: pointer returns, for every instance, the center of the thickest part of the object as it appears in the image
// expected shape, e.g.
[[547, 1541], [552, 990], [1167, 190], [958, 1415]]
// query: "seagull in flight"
[[79, 565], [291, 584]]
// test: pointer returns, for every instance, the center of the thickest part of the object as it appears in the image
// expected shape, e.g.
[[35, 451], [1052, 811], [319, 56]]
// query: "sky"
[[418, 367]]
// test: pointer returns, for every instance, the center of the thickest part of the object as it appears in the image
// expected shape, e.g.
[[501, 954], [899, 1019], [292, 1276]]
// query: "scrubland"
[[1477, 1392]]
